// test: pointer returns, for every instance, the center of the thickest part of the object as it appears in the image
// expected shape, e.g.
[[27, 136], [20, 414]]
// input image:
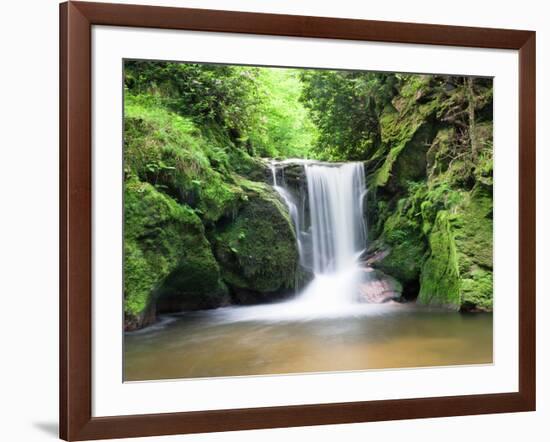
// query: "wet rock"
[[377, 287], [257, 250], [370, 258]]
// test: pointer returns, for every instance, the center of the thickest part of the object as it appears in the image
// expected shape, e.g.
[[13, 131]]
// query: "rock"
[[440, 278], [166, 254], [410, 163], [459, 271], [250, 167], [376, 256], [378, 287], [401, 247], [292, 177], [257, 250], [473, 233], [145, 318]]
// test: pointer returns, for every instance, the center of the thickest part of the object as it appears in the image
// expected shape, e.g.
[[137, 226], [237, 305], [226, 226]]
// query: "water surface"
[[238, 341]]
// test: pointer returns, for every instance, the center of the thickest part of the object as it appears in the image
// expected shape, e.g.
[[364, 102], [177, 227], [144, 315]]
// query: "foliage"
[[285, 128], [346, 106], [256, 109], [168, 151], [208, 93]]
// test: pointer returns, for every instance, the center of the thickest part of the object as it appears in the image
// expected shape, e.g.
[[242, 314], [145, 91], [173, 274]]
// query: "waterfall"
[[325, 203], [335, 203], [292, 210], [327, 213]]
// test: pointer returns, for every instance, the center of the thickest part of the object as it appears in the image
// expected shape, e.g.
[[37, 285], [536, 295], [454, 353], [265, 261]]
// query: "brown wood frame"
[[76, 20]]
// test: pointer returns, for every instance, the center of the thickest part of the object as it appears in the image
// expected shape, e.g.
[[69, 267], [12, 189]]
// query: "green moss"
[[140, 277], [440, 279], [438, 155], [257, 250], [427, 210], [166, 251], [484, 166], [252, 168], [396, 134], [406, 136], [402, 233], [169, 152], [473, 229], [152, 224], [477, 290]]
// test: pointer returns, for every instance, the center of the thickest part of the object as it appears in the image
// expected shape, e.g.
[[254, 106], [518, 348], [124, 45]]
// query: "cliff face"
[[430, 191]]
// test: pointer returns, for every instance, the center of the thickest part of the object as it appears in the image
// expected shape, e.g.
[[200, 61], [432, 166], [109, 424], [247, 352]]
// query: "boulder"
[[458, 274], [377, 287], [166, 254], [257, 250]]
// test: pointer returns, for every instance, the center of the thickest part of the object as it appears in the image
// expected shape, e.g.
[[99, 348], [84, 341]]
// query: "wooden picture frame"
[[76, 21]]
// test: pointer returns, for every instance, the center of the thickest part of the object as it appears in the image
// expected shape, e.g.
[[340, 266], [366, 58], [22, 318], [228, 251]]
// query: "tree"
[[346, 106]]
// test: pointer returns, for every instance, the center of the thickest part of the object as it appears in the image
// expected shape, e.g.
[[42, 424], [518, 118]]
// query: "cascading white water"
[[334, 237], [328, 217], [292, 210], [335, 205]]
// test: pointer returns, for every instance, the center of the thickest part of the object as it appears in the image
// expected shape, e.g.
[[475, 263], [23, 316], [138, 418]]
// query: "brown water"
[[230, 342]]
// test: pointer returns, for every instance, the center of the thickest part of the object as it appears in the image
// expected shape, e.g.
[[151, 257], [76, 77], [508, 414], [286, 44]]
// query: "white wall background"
[[29, 218]]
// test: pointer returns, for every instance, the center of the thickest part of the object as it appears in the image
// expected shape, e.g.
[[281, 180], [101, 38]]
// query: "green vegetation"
[[440, 278], [203, 228], [165, 251], [251, 109], [431, 178], [346, 107], [194, 138], [257, 251]]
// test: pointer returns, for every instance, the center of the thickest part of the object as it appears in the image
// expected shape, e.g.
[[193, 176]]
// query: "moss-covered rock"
[[459, 271], [407, 129], [473, 231], [257, 250], [430, 189], [252, 168], [166, 254], [151, 238], [410, 164], [402, 237], [440, 279]]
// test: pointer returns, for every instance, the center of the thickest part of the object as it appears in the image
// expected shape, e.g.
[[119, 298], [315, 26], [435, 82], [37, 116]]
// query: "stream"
[[214, 343]]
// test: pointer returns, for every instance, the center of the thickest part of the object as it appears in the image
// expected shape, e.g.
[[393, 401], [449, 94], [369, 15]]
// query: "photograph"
[[296, 220], [240, 221]]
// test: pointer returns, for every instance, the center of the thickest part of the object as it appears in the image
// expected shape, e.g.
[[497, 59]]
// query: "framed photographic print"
[[272, 220]]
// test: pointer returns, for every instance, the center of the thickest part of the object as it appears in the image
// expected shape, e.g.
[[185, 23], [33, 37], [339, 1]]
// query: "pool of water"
[[238, 341]]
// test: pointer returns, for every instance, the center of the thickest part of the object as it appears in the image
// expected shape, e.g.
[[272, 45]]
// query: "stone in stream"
[[377, 287]]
